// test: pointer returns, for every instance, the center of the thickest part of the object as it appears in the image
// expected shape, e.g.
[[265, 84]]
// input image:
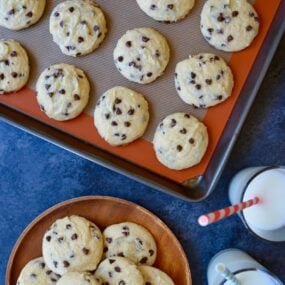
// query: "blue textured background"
[[35, 175]]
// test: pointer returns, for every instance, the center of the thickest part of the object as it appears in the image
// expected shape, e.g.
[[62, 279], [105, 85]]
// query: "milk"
[[247, 270], [254, 277], [266, 220]]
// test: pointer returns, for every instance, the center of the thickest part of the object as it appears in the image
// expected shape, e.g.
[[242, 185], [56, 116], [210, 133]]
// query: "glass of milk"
[[267, 219], [246, 269]]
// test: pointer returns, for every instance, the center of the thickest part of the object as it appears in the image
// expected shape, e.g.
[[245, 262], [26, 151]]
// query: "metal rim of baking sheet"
[[193, 190]]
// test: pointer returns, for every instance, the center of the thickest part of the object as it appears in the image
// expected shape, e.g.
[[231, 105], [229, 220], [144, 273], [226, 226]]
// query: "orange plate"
[[103, 211]]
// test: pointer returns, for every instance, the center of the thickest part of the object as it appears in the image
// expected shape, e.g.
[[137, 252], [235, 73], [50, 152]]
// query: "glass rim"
[[255, 269], [242, 197]]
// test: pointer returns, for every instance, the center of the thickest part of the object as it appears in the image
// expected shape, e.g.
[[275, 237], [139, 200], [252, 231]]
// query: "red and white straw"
[[216, 216]]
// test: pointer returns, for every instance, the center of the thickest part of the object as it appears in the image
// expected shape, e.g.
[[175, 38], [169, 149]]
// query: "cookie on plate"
[[37, 273], [14, 66], [62, 91], [180, 141], [118, 270], [17, 15], [203, 80], [121, 116], [141, 55], [78, 27], [229, 25], [77, 278], [72, 244], [131, 241], [165, 10], [154, 276]]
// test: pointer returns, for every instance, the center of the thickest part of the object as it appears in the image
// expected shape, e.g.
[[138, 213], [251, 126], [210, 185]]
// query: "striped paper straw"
[[227, 274], [208, 219]]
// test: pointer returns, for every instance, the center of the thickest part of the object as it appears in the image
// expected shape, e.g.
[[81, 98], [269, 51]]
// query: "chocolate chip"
[[210, 30], [170, 6], [157, 53], [221, 17], [191, 141], [56, 14], [151, 252], [127, 124], [183, 131], [85, 251], [14, 74], [11, 12], [14, 53], [74, 236], [249, 28], [118, 111], [123, 137], [30, 14], [55, 264], [149, 74], [47, 86], [61, 91], [2, 76], [107, 116], [128, 43], [117, 269], [220, 97], [68, 226], [179, 148], [198, 86], [230, 38], [96, 28], [118, 101], [76, 97], [60, 239], [193, 75], [48, 238], [131, 112], [71, 9], [173, 123], [112, 261], [209, 81], [109, 240], [122, 282], [66, 264], [80, 40], [114, 123], [105, 249], [143, 260], [187, 116], [145, 39], [235, 13], [120, 58]]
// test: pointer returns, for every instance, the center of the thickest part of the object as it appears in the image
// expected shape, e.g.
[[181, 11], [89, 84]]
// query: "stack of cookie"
[[141, 55], [76, 252]]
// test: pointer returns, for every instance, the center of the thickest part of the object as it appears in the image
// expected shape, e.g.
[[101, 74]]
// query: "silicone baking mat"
[[184, 38]]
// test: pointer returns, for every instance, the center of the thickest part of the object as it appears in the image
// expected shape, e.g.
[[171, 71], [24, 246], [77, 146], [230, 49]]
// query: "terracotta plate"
[[103, 211]]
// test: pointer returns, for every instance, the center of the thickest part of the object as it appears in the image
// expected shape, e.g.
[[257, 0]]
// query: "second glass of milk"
[[267, 219]]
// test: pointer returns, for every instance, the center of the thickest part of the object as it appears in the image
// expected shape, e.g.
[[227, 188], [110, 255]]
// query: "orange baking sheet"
[[141, 152]]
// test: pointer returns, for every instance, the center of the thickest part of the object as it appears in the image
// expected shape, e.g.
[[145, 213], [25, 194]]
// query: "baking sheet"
[[184, 37]]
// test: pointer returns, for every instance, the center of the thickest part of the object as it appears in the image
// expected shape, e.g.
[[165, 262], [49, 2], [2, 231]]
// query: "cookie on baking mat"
[[78, 27], [14, 66], [62, 91], [121, 115], [17, 15], [130, 240], [77, 278], [72, 244], [203, 80], [36, 272], [154, 276], [180, 141], [165, 10], [118, 270], [141, 55], [229, 25]]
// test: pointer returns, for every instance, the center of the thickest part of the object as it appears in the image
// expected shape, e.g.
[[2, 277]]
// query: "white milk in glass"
[[246, 269], [267, 219]]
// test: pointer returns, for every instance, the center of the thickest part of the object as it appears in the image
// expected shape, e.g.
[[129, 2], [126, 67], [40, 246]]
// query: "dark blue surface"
[[35, 175]]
